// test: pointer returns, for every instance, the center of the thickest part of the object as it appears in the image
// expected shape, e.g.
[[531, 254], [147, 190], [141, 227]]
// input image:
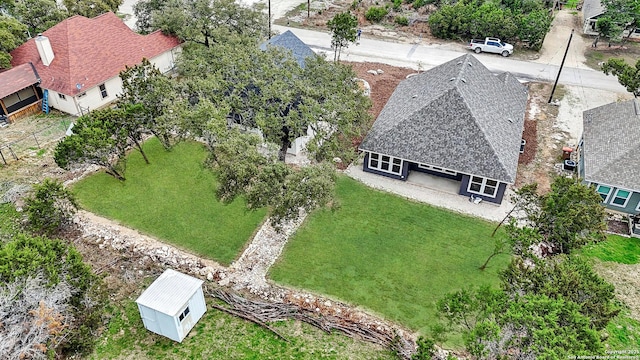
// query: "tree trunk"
[[135, 141], [285, 143], [595, 42], [113, 172], [484, 266]]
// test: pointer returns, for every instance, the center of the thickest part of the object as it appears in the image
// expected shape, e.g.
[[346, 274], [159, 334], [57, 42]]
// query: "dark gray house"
[[608, 154], [457, 120], [289, 41]]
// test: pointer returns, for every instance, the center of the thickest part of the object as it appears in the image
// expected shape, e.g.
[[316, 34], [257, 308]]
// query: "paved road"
[[428, 56]]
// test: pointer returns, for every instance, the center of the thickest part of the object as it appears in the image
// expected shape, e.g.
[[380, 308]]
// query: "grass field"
[[221, 336], [618, 249], [388, 254], [173, 199]]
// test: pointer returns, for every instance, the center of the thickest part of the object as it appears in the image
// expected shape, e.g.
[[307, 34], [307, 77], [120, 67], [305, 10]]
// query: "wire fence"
[[32, 143]]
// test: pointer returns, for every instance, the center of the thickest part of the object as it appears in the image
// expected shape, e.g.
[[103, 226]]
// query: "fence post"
[[2, 156], [36, 139]]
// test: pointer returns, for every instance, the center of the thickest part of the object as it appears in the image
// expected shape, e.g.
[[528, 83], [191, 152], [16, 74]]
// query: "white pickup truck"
[[491, 45]]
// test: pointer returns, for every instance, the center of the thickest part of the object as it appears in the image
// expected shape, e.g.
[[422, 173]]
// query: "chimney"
[[44, 49]]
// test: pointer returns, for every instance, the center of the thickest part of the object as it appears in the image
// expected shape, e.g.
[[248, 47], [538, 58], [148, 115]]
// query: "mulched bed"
[[618, 227]]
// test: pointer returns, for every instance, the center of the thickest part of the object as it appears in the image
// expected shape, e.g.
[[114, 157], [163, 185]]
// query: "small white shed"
[[172, 305]]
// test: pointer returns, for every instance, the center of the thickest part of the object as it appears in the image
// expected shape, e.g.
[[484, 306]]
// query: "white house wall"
[[92, 98], [166, 61], [159, 323], [197, 308]]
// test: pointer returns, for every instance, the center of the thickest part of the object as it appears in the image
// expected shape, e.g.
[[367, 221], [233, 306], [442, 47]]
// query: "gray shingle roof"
[[592, 8], [455, 116], [291, 42], [612, 143]]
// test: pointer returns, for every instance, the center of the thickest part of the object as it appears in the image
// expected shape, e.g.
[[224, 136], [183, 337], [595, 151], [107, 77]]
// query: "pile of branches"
[[262, 313]]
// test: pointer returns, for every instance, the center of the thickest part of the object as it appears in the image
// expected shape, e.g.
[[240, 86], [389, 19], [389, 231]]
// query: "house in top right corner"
[[592, 10], [608, 154]]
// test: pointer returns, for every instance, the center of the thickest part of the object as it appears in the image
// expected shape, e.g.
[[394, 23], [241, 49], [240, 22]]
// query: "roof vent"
[[510, 120], [44, 49], [470, 64], [414, 96], [463, 80], [459, 62], [452, 79]]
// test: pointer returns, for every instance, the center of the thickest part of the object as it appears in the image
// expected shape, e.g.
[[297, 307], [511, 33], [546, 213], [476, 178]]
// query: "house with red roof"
[[79, 59], [20, 93]]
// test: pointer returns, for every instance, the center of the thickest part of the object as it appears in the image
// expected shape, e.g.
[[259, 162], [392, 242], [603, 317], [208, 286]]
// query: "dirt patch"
[[544, 140], [383, 84], [618, 227], [626, 279]]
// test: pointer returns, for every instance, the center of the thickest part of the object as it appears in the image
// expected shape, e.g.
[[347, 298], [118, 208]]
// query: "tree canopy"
[[12, 34], [201, 21], [98, 139], [91, 8], [628, 75], [343, 32], [50, 301]]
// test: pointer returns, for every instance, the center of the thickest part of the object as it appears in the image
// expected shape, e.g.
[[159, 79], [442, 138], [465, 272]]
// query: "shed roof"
[[458, 116], [611, 143], [17, 78], [290, 41], [170, 292], [592, 8], [90, 51]]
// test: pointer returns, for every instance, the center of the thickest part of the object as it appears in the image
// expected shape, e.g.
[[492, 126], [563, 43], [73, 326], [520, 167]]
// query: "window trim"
[[607, 197], [437, 169], [184, 314], [626, 201], [103, 91], [483, 185], [380, 162], [62, 96]]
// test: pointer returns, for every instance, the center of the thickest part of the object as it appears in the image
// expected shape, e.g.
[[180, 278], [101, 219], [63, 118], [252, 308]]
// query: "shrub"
[[396, 5], [419, 3], [50, 207], [402, 20], [375, 14]]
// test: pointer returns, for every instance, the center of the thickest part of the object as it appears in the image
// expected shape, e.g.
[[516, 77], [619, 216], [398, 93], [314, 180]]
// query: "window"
[[437, 169], [482, 186], [103, 91], [82, 95], [385, 163], [604, 192], [184, 314], [621, 197], [61, 96]]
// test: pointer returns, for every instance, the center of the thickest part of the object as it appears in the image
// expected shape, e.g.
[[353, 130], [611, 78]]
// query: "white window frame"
[[483, 186], [379, 158], [638, 207], [437, 169], [606, 199], [626, 201], [184, 314]]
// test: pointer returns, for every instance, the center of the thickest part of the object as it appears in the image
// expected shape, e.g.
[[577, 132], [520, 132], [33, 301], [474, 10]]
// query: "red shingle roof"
[[16, 79], [90, 51]]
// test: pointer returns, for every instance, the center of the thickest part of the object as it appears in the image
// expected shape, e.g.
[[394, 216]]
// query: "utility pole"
[[309, 8], [561, 65], [269, 36]]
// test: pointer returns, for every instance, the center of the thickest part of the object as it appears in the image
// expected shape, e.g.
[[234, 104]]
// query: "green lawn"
[[173, 199], [221, 336], [616, 248], [388, 254]]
